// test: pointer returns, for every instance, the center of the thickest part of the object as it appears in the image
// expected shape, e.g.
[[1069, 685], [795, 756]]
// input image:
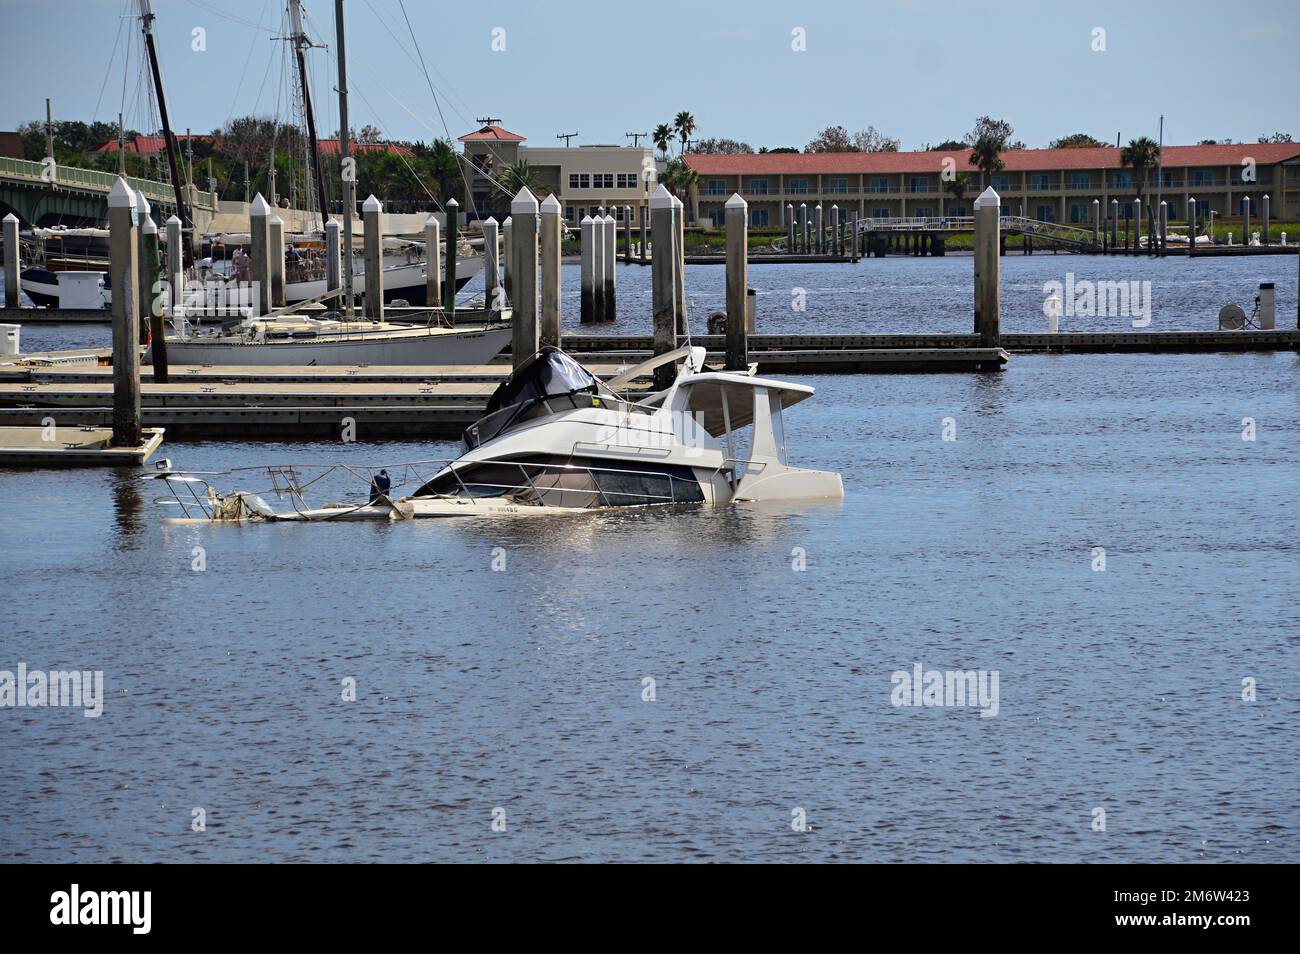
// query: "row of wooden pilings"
[[808, 234]]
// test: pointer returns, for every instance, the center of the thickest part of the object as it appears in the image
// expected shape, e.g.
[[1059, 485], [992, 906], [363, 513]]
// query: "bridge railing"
[[966, 223], [95, 181]]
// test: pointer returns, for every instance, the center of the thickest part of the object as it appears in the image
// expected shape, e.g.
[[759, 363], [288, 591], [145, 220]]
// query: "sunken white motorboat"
[[558, 440]]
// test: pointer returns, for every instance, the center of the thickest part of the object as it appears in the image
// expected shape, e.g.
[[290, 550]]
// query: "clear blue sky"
[[921, 70]]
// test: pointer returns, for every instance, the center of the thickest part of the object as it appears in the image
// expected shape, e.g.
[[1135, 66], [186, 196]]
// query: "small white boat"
[[300, 340], [404, 282]]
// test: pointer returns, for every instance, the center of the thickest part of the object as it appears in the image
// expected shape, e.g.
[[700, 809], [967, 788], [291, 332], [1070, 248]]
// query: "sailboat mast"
[[300, 44], [169, 140], [349, 175]]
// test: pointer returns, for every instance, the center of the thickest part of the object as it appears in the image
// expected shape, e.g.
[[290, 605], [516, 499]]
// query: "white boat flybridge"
[[557, 440]]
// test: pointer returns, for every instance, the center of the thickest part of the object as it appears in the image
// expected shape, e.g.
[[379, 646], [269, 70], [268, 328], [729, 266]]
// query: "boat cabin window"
[[569, 482]]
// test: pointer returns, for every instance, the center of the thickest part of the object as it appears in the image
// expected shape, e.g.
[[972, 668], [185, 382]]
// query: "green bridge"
[[34, 191]]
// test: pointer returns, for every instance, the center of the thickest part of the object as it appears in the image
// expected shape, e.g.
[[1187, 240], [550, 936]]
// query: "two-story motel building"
[[1057, 185], [583, 178]]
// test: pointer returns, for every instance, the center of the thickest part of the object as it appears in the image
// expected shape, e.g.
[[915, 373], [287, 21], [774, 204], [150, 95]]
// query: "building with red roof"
[[1048, 184]]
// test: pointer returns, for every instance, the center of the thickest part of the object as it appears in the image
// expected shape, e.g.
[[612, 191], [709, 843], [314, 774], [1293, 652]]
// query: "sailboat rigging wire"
[[244, 72], [469, 193], [108, 70]]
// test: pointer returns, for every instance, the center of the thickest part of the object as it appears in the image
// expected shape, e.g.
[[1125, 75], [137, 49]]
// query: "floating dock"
[[72, 446]]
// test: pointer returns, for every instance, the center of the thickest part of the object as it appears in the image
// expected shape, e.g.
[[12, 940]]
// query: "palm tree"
[[662, 135], [957, 187], [1140, 155], [513, 178], [679, 178], [684, 124], [985, 154]]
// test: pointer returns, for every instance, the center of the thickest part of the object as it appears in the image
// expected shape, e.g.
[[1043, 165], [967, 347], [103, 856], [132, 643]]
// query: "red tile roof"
[[492, 134], [1107, 157]]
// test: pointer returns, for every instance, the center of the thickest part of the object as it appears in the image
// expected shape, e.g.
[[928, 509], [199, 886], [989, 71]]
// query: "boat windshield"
[[548, 377]]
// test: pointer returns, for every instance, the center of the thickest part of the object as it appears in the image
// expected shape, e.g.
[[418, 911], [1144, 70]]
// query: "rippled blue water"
[[523, 689], [901, 294]]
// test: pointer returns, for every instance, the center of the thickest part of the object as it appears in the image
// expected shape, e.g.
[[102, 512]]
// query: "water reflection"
[[128, 509]]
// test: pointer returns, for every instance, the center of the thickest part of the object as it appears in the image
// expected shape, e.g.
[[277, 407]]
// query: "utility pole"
[[349, 170], [121, 147], [49, 129], [636, 138], [488, 120], [566, 137]]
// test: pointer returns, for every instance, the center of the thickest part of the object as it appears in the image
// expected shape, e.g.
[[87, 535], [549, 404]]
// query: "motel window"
[[1038, 181], [1201, 177], [1000, 183], [573, 180], [758, 186], [880, 213], [924, 212], [1045, 213], [758, 218], [799, 185], [717, 187], [718, 217], [584, 181], [1080, 180], [879, 184], [1126, 210], [1122, 180], [954, 211], [918, 184], [606, 180], [568, 213], [839, 184], [627, 180], [1080, 212]]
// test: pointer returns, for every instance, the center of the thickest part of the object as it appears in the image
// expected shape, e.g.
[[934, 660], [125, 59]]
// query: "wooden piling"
[[609, 260], [507, 266], [627, 235], [492, 292], [1137, 223], [645, 233], [152, 297], [587, 270], [835, 244], [175, 262], [1191, 227], [449, 264], [432, 262], [123, 254], [737, 222], [525, 221], [276, 255], [1164, 227], [1245, 220], [1114, 223], [552, 218], [819, 243], [803, 227], [1096, 223], [988, 267], [1265, 214], [598, 266], [11, 260], [679, 264], [259, 241], [372, 244], [144, 224], [333, 260], [663, 294], [789, 228]]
